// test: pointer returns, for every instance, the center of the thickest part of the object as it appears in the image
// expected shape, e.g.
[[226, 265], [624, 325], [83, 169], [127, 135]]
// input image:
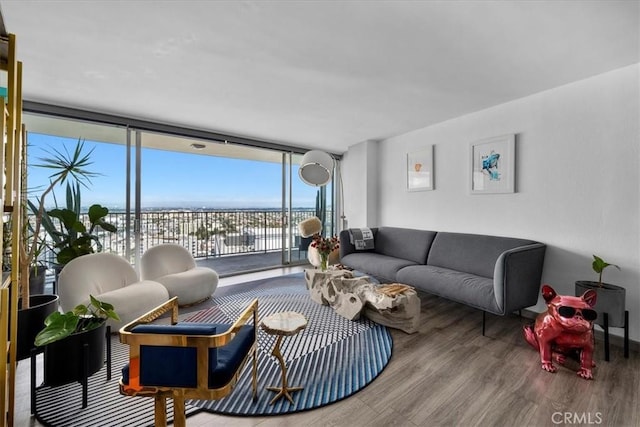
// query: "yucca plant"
[[65, 166]]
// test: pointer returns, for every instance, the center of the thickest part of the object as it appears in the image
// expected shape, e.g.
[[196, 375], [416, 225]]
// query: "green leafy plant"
[[70, 235], [599, 265], [82, 318], [65, 166]]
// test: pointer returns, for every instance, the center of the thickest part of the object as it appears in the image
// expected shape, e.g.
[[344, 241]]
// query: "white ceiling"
[[322, 74]]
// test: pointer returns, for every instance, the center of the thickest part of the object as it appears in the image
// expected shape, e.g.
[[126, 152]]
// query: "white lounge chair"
[[110, 278], [174, 267]]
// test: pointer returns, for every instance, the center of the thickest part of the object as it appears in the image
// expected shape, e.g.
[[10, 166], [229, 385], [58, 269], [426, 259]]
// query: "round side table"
[[283, 324]]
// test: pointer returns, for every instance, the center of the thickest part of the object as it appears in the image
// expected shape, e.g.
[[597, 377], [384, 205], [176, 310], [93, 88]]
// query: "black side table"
[[606, 335]]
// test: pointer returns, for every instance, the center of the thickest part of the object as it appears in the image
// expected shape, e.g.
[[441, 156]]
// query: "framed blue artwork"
[[493, 167]]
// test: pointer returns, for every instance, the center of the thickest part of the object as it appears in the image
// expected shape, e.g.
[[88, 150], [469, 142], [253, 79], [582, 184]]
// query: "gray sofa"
[[498, 275]]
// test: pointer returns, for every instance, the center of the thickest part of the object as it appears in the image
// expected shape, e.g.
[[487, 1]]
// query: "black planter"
[[36, 280], [610, 300], [64, 360], [31, 321], [72, 359]]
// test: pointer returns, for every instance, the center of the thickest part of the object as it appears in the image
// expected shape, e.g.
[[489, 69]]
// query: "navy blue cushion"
[[174, 366], [177, 366], [231, 356], [181, 328]]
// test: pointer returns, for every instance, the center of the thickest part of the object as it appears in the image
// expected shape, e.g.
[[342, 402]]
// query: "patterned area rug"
[[332, 358]]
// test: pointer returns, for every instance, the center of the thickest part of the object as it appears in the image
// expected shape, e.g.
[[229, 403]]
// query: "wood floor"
[[448, 374]]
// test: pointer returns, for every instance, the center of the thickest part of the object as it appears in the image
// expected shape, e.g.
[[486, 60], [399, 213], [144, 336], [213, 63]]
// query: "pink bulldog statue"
[[565, 328]]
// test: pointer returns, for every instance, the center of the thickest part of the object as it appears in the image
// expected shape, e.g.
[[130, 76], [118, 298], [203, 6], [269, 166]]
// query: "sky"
[[169, 179]]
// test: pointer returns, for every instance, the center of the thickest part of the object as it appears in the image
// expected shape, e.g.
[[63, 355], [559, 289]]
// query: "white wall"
[[577, 180], [360, 173]]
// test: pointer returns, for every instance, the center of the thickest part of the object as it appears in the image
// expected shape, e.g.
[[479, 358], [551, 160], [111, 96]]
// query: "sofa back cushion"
[[471, 253], [405, 243]]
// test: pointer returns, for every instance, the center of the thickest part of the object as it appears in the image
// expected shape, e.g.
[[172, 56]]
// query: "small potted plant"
[[64, 337], [610, 299]]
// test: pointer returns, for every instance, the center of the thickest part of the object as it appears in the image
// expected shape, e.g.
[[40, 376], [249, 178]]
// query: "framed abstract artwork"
[[420, 170], [493, 166]]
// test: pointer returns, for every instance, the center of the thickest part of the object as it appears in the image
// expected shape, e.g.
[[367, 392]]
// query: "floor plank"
[[448, 374]]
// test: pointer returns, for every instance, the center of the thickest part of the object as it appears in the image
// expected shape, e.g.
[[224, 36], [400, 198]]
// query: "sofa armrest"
[[517, 276]]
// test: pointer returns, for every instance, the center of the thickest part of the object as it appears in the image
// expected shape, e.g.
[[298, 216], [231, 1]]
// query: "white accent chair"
[[174, 267], [109, 278]]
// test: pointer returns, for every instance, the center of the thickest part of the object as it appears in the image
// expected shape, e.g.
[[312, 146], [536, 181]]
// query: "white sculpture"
[[394, 305]]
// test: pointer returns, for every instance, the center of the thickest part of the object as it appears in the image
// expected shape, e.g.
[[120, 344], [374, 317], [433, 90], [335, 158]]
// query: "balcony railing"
[[205, 233]]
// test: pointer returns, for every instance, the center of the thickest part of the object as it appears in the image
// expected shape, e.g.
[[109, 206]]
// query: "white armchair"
[[174, 267], [110, 278]]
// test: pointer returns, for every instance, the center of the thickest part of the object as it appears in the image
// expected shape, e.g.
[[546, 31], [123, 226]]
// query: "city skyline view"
[[171, 180]]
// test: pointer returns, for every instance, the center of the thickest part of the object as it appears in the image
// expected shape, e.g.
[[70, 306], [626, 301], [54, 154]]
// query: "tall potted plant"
[[33, 309], [37, 270], [610, 298], [65, 166]]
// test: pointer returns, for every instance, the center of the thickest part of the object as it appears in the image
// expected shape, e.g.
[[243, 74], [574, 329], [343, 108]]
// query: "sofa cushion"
[[382, 267], [404, 243], [470, 253], [466, 288]]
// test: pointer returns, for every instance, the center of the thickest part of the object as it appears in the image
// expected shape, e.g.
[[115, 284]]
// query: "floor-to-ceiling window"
[[222, 201], [236, 208], [52, 140]]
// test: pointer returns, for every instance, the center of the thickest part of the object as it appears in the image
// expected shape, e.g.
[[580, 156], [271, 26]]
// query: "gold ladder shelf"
[[13, 134]]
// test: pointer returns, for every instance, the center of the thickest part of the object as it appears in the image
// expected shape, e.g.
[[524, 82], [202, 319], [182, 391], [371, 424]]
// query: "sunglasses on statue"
[[569, 312]]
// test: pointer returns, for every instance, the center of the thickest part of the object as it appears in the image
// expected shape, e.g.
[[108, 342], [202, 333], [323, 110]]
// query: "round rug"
[[332, 358]]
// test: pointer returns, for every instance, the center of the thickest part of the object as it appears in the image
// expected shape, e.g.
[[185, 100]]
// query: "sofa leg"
[[484, 321], [626, 334]]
